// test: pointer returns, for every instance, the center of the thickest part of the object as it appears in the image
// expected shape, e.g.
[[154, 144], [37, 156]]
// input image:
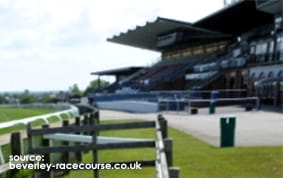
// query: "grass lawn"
[[15, 114], [195, 158], [18, 113]]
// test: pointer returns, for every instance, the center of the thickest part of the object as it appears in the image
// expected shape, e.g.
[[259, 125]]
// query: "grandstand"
[[237, 47]]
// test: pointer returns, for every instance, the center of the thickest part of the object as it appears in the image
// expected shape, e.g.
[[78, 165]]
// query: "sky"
[[53, 44]]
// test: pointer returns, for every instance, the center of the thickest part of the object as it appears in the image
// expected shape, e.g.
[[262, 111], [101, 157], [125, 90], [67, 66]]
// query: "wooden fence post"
[[96, 118], [168, 146], [78, 154], [159, 116], [91, 122], [30, 142], [96, 115], [95, 152], [85, 122], [47, 156], [16, 148], [65, 155], [30, 145], [163, 126], [173, 172]]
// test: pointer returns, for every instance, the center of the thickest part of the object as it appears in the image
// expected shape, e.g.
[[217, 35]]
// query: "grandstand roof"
[[236, 18], [118, 71], [145, 36]]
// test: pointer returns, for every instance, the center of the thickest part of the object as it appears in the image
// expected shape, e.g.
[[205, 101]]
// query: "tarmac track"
[[254, 128]]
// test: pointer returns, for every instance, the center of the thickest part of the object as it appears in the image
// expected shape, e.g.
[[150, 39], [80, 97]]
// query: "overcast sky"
[[52, 44]]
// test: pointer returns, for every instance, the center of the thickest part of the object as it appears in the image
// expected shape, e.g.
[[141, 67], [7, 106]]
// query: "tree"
[[26, 98], [47, 99], [75, 90], [2, 99], [95, 84]]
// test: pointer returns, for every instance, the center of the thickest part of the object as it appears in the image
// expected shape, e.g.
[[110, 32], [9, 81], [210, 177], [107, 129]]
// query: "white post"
[[2, 161]]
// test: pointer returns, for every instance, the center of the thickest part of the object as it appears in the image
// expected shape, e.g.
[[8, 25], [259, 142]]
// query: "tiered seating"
[[165, 71], [111, 88], [209, 72], [159, 71], [202, 83], [168, 71]]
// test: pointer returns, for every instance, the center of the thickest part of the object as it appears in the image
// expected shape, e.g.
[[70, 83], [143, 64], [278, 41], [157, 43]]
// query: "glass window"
[[279, 48], [187, 52], [252, 49], [280, 74], [210, 47], [236, 52], [271, 47], [261, 48], [279, 44], [258, 48], [198, 50]]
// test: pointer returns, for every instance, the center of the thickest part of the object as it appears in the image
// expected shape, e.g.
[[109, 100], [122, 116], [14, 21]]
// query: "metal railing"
[[186, 104]]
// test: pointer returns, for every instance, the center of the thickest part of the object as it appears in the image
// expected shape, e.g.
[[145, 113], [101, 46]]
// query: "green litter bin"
[[212, 107], [213, 97], [227, 131]]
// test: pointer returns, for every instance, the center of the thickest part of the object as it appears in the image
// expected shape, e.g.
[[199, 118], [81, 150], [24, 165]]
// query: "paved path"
[[255, 128]]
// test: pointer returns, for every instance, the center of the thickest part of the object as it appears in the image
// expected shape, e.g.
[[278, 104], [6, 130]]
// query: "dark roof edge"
[[221, 10], [117, 70], [188, 24], [148, 23]]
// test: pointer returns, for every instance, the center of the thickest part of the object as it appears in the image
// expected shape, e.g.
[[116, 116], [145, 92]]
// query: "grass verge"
[[195, 158], [18, 113]]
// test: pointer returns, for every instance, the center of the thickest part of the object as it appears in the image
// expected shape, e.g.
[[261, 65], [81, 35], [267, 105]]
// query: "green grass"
[[122, 155], [24, 173], [15, 114], [200, 160], [18, 113], [195, 158]]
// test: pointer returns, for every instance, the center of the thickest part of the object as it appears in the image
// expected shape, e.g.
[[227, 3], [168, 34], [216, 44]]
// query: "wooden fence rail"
[[84, 134], [16, 138]]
